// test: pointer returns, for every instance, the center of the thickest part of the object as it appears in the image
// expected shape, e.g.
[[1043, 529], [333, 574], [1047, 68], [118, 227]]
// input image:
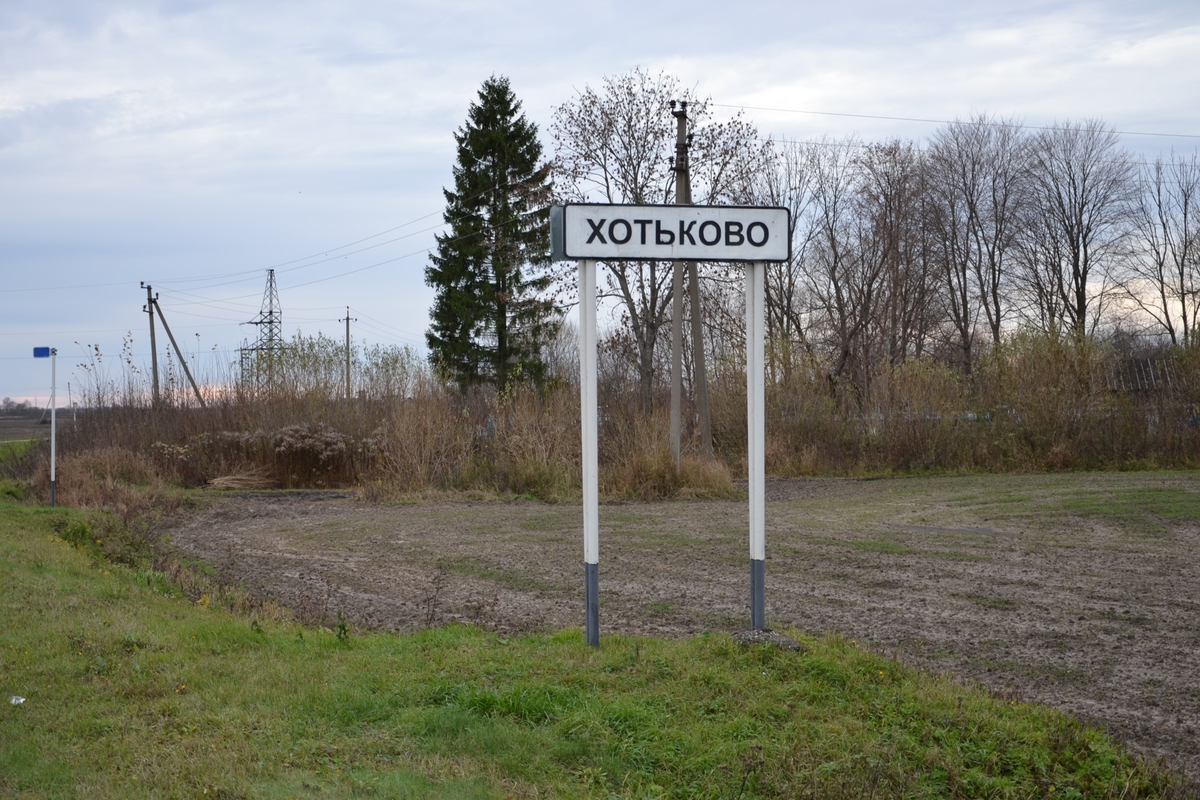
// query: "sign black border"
[[560, 248]]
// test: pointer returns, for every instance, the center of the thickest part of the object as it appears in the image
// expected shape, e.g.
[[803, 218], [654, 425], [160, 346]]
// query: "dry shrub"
[[536, 448], [651, 475], [636, 462], [1033, 402], [423, 443], [112, 478], [243, 481]]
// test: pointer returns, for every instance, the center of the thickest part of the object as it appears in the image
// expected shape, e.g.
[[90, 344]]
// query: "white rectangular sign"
[[669, 233]]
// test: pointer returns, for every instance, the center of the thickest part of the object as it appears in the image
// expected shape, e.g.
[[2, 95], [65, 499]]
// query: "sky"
[[194, 145]]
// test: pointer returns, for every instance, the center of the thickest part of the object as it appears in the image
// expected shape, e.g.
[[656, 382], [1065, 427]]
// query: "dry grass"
[[112, 478], [242, 481], [1035, 403]]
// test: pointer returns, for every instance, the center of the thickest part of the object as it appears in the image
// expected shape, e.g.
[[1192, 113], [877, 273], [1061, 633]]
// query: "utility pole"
[[677, 323], [348, 320], [683, 197], [178, 352], [149, 309]]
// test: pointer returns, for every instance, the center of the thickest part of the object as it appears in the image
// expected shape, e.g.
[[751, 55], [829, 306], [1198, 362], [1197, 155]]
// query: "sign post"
[[588, 233], [756, 412], [51, 353], [590, 428]]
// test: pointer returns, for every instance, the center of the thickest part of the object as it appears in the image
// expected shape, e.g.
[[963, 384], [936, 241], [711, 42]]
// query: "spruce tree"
[[489, 319]]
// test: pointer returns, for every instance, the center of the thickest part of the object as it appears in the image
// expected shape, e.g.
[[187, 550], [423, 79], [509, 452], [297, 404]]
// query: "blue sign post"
[[51, 353]]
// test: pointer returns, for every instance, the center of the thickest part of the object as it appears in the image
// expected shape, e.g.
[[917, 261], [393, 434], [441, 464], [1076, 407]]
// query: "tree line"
[[900, 250]]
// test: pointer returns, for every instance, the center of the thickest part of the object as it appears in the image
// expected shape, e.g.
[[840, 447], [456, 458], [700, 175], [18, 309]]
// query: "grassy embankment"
[[133, 688], [11, 450]]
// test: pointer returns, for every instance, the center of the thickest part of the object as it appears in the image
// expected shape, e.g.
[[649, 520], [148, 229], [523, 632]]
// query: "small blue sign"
[[41, 352]]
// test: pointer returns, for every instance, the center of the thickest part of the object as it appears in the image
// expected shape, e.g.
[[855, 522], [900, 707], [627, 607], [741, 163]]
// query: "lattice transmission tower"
[[262, 364]]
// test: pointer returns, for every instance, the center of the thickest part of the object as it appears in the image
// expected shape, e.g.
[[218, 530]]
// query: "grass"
[[13, 449], [1147, 507], [134, 688]]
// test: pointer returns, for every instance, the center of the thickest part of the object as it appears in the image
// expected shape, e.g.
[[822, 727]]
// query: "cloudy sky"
[[193, 145]]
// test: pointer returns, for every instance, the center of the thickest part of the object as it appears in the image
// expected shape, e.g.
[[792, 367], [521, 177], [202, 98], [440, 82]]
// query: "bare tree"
[[614, 145], [842, 281], [894, 204], [977, 173], [786, 180], [1163, 275], [1076, 225]]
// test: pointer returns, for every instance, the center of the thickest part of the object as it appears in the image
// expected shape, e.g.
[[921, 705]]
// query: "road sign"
[[669, 233], [588, 233], [41, 352]]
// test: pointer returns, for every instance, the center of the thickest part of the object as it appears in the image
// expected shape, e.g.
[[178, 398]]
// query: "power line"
[[941, 121], [387, 337], [226, 304], [57, 288], [385, 324], [331, 258], [89, 330], [252, 273], [327, 251], [840, 143]]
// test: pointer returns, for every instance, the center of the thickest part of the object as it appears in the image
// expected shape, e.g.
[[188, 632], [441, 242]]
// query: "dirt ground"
[[1081, 591], [20, 428]]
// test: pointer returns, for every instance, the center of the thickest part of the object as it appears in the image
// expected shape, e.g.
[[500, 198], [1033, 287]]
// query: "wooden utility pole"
[[683, 197], [348, 320], [153, 347]]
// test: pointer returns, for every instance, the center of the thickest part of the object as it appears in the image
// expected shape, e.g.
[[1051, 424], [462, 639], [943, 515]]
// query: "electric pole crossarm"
[[178, 352]]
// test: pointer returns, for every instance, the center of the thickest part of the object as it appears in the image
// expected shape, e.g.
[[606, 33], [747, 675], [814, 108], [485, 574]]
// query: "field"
[[1078, 590], [132, 682]]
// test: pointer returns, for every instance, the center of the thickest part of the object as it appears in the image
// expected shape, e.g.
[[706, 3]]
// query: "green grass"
[[1142, 502], [134, 690], [11, 450], [1145, 506]]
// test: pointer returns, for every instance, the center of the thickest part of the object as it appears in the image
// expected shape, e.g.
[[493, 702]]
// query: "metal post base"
[[52, 493], [758, 613], [591, 577]]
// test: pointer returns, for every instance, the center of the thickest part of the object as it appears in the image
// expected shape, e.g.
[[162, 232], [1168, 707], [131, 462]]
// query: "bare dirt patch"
[[1081, 591], [21, 428]]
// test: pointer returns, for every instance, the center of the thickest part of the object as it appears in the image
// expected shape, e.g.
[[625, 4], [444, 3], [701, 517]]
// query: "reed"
[[1035, 402]]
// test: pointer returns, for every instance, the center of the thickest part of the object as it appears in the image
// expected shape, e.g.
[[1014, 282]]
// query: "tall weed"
[[1034, 402]]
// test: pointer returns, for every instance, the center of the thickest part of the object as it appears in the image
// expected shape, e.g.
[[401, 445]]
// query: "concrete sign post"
[[52, 354], [590, 426], [756, 412], [588, 233]]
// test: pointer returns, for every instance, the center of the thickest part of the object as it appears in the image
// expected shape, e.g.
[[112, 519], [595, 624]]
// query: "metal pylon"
[[262, 363]]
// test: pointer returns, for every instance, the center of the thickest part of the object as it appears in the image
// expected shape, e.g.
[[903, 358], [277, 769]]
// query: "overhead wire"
[[839, 143], [384, 324], [941, 121], [384, 335], [325, 256], [252, 273]]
